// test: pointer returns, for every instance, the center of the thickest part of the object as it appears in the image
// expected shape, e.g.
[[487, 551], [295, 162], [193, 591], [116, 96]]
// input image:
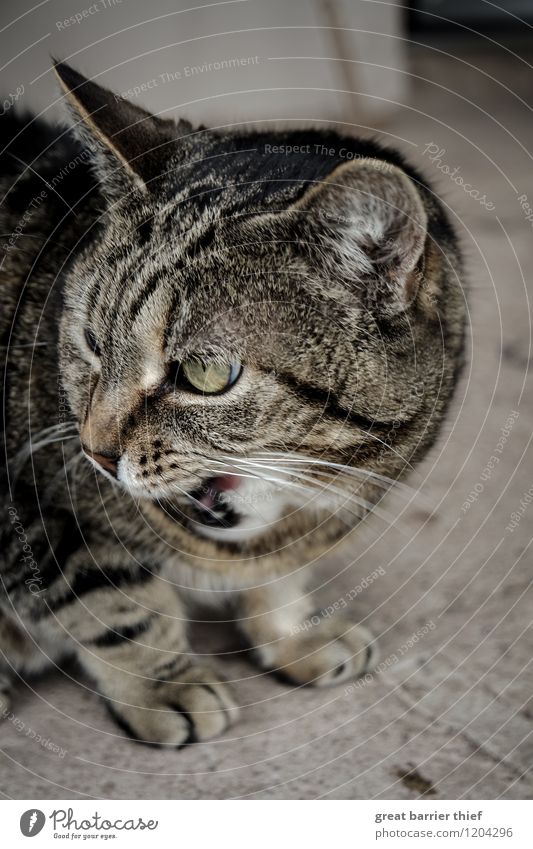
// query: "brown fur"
[[332, 289]]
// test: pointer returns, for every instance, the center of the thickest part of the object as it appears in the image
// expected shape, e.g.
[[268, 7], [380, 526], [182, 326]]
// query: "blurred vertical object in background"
[[477, 15]]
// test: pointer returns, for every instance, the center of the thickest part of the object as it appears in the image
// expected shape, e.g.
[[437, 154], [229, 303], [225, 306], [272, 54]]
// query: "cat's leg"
[[17, 655], [8, 646], [294, 641], [22, 656], [131, 638]]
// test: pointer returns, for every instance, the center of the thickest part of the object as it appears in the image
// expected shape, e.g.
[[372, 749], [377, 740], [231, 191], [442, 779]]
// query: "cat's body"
[[338, 349]]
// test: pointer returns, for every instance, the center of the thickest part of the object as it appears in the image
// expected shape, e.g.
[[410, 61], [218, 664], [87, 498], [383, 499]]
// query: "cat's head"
[[234, 324]]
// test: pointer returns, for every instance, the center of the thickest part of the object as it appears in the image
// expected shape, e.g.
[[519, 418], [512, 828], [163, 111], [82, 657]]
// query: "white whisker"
[[31, 447], [354, 471], [61, 427], [314, 492], [344, 494]]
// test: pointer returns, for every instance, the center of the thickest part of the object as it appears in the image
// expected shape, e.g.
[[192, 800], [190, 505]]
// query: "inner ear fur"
[[370, 215]]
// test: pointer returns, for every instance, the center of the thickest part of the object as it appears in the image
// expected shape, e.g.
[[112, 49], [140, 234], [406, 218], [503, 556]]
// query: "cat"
[[221, 349]]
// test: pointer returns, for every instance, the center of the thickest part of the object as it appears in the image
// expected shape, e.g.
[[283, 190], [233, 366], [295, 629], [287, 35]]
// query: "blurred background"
[[449, 83], [244, 59]]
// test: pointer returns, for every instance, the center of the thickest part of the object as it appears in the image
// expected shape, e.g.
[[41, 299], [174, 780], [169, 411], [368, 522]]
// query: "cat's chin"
[[240, 533], [228, 526]]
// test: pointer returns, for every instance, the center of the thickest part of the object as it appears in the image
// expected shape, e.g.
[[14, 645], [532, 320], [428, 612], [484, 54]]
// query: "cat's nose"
[[106, 461]]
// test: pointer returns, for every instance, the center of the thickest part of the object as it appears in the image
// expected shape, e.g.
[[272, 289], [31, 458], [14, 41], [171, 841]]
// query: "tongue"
[[224, 483]]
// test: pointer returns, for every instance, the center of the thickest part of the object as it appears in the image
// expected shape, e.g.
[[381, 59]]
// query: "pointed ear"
[[130, 145], [368, 220]]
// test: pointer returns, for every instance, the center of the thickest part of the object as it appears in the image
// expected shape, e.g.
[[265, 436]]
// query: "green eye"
[[209, 378]]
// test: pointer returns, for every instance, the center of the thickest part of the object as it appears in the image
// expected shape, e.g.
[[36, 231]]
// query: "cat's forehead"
[[199, 291], [204, 249], [222, 278]]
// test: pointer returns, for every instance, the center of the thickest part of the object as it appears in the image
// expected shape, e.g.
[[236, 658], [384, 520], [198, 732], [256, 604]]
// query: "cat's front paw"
[[196, 707], [330, 652]]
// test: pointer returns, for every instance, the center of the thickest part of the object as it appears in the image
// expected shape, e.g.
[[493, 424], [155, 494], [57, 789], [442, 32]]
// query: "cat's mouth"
[[227, 508], [212, 505]]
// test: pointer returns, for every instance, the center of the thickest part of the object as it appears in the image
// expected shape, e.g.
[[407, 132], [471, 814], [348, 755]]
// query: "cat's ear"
[[368, 220], [128, 144]]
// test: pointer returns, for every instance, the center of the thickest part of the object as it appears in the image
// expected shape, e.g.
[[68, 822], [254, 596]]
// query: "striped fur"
[[336, 284]]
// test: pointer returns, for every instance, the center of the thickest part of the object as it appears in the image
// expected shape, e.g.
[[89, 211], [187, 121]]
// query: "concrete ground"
[[450, 714]]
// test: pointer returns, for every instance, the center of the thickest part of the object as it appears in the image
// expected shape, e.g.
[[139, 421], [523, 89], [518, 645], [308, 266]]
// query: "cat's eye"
[[209, 378], [92, 342]]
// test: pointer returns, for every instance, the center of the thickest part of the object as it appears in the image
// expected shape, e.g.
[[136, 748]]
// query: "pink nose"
[[104, 460]]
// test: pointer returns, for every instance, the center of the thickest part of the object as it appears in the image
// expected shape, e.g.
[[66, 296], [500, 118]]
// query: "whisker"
[[61, 427], [341, 467], [31, 447], [315, 492], [242, 474], [65, 469], [231, 466], [290, 478], [23, 345], [335, 474], [388, 447], [239, 474], [345, 494], [161, 504]]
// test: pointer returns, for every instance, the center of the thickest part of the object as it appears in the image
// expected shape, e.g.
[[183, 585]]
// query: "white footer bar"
[[268, 824]]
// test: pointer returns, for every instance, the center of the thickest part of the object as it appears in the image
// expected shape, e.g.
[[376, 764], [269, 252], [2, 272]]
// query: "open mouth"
[[212, 503]]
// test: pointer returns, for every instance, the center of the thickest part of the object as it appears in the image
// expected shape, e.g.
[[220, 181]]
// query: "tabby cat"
[[221, 347]]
